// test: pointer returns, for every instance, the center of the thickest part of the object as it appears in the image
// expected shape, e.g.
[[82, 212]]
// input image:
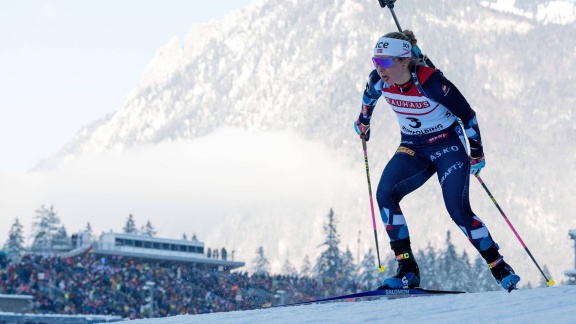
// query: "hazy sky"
[[65, 64]]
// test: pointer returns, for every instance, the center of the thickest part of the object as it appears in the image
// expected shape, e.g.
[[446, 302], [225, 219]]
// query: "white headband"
[[392, 47]]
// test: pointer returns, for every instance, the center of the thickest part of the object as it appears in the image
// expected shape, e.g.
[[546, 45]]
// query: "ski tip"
[[381, 269], [550, 283]]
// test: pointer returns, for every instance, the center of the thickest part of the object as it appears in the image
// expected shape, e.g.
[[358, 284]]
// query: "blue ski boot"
[[502, 272], [407, 274]]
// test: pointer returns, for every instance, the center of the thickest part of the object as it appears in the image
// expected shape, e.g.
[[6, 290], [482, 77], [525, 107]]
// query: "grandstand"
[[150, 248]]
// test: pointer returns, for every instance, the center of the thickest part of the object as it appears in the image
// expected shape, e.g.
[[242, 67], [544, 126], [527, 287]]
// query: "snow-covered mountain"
[[301, 65], [547, 12]]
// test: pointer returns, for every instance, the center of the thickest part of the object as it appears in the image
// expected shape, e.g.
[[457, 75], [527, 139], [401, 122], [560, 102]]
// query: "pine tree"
[[130, 227], [449, 267], [483, 280], [462, 276], [368, 277], [148, 230], [288, 269], [329, 263], [349, 268], [261, 264], [45, 227], [306, 270], [15, 240], [429, 266]]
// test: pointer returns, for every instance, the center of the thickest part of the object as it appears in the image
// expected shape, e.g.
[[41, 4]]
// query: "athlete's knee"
[[462, 216], [384, 195], [389, 195]]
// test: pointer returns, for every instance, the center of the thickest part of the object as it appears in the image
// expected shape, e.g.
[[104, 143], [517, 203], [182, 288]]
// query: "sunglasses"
[[383, 62]]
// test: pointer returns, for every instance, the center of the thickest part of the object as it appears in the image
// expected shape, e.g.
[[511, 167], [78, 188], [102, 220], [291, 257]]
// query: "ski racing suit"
[[432, 141]]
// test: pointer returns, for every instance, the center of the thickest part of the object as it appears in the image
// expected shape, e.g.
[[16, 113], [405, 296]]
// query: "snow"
[[560, 12], [538, 305]]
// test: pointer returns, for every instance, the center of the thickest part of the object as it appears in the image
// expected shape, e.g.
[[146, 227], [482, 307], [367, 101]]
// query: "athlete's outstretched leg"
[[454, 177], [403, 174]]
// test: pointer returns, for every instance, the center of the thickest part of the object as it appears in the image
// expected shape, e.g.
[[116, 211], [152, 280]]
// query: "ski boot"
[[502, 272], [407, 274]]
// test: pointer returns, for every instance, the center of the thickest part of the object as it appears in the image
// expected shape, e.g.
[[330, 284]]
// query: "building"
[[572, 273], [149, 248]]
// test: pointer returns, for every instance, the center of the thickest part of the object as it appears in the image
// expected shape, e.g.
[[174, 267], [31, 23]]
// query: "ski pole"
[[548, 282], [417, 52], [390, 5], [380, 266]]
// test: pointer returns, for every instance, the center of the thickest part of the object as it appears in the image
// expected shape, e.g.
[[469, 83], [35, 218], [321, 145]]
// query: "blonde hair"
[[408, 36]]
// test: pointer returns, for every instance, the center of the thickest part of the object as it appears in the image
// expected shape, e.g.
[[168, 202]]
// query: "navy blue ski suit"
[[434, 128]]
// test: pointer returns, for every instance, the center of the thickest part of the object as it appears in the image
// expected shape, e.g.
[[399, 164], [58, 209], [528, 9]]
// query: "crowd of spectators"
[[137, 288]]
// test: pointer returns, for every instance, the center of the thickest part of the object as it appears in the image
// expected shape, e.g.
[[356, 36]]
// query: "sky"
[[65, 64], [539, 305]]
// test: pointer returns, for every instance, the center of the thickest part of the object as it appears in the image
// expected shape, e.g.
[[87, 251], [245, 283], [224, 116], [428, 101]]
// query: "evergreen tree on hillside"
[[15, 242], [306, 270], [261, 264], [428, 265], [349, 268], [483, 279], [329, 263], [451, 266], [148, 230], [368, 277], [466, 279], [45, 228], [130, 227], [288, 269]]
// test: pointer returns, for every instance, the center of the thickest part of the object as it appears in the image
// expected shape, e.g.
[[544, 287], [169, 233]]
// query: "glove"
[[476, 165], [362, 129]]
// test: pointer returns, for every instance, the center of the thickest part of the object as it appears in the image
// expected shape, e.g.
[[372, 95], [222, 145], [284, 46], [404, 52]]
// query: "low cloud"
[[234, 188]]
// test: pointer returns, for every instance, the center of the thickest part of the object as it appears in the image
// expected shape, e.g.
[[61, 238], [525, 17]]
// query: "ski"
[[393, 292]]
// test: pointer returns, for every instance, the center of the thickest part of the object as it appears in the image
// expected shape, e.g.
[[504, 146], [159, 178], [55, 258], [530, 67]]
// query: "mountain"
[[230, 71], [300, 66]]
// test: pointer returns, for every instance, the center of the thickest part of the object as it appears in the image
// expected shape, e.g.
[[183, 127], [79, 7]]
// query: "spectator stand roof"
[[153, 248]]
